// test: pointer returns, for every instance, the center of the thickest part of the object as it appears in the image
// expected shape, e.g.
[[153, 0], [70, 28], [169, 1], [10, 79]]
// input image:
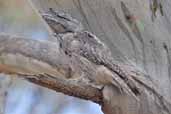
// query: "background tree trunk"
[[140, 39], [147, 45]]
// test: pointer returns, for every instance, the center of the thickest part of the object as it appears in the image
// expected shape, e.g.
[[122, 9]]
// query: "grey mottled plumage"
[[90, 47], [87, 45]]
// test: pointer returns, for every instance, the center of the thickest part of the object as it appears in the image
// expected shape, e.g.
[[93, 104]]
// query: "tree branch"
[[68, 87], [43, 63]]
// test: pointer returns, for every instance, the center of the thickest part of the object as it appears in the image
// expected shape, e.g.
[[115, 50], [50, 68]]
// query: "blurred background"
[[18, 96]]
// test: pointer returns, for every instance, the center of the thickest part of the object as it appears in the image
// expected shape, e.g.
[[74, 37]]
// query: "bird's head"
[[61, 22]]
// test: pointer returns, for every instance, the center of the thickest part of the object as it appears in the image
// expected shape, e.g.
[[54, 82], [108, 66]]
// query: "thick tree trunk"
[[135, 34], [143, 38]]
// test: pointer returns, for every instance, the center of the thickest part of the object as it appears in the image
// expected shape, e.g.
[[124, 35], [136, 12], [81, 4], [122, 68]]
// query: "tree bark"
[[43, 63], [127, 28]]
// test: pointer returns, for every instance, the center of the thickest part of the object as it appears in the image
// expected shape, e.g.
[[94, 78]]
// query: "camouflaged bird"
[[84, 44]]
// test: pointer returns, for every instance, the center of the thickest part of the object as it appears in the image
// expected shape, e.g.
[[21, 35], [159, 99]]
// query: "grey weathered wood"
[[106, 20], [43, 63], [140, 41]]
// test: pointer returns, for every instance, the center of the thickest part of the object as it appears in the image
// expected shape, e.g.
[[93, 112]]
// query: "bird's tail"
[[122, 86]]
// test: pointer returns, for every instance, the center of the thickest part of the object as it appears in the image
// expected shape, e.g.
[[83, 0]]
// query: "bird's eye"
[[89, 35]]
